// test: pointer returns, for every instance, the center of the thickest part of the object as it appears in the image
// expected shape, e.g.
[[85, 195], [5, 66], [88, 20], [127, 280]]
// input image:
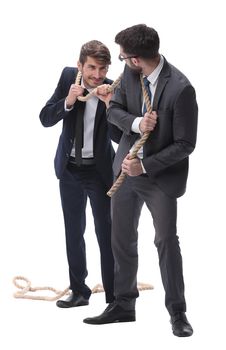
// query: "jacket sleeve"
[[117, 113], [184, 128], [54, 110], [114, 132]]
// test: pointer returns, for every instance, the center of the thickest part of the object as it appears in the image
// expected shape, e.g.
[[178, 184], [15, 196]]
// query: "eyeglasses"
[[121, 58]]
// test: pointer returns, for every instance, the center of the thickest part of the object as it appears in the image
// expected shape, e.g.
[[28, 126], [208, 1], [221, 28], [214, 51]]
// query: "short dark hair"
[[95, 49], [139, 40]]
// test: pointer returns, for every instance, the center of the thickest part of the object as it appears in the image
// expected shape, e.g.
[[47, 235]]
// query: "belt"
[[85, 161]]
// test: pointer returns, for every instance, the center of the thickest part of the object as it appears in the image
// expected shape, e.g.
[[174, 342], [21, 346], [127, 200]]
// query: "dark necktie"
[[147, 87], [79, 130]]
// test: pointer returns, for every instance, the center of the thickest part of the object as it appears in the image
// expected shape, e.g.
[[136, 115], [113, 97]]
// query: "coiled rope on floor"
[[23, 290]]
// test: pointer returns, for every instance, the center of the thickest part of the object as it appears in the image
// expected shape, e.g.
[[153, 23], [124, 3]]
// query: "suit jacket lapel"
[[162, 81], [138, 95]]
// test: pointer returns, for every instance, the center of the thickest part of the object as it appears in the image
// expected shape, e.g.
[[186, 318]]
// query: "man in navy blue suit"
[[83, 165]]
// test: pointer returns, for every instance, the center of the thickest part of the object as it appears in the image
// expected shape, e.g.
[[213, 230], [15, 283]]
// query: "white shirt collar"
[[153, 77]]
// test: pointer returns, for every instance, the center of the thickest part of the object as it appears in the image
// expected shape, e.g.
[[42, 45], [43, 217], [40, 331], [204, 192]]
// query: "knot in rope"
[[94, 91]]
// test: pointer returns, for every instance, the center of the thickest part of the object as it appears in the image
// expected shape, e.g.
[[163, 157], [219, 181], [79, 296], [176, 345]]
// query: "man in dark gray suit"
[[157, 176]]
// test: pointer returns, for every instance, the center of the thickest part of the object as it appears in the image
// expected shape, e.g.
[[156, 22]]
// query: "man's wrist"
[[67, 106]]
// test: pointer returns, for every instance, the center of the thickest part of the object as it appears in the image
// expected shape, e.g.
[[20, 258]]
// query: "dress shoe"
[[180, 325], [113, 313], [72, 301]]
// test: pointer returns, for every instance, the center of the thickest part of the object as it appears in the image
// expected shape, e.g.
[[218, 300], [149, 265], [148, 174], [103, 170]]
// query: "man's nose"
[[97, 74]]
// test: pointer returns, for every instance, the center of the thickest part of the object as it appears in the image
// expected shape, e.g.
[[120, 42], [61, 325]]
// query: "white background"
[[38, 39]]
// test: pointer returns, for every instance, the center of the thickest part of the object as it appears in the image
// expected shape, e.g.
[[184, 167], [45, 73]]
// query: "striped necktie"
[[147, 87]]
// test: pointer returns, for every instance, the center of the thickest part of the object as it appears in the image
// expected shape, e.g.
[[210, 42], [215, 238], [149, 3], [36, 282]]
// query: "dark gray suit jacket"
[[167, 149]]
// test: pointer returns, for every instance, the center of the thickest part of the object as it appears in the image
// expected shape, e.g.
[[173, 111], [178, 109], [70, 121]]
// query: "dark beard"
[[135, 68]]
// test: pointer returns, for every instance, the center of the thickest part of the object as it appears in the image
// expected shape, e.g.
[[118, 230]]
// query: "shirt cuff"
[[135, 126], [142, 166], [65, 107]]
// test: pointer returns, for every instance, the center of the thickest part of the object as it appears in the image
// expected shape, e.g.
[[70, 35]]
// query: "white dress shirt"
[[89, 121]]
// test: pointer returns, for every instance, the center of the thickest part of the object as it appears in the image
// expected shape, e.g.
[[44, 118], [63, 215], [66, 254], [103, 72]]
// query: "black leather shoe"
[[72, 301], [180, 325], [113, 313]]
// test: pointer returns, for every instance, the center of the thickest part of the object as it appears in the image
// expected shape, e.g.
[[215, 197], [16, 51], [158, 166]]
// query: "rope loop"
[[23, 291]]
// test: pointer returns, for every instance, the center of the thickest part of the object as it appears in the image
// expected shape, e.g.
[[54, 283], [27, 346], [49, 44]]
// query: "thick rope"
[[140, 286], [23, 291], [93, 92], [78, 78], [138, 145]]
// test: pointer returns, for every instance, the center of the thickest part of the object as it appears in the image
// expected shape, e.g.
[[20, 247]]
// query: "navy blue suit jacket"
[[54, 111]]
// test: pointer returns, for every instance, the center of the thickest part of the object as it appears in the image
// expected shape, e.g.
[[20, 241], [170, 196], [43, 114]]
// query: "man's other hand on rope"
[[132, 167], [104, 94], [74, 92], [148, 122]]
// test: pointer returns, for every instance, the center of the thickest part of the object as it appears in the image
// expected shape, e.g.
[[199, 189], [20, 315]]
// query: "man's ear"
[[135, 61], [79, 65]]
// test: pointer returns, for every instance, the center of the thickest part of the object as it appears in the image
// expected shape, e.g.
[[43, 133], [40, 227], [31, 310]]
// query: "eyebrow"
[[93, 66]]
